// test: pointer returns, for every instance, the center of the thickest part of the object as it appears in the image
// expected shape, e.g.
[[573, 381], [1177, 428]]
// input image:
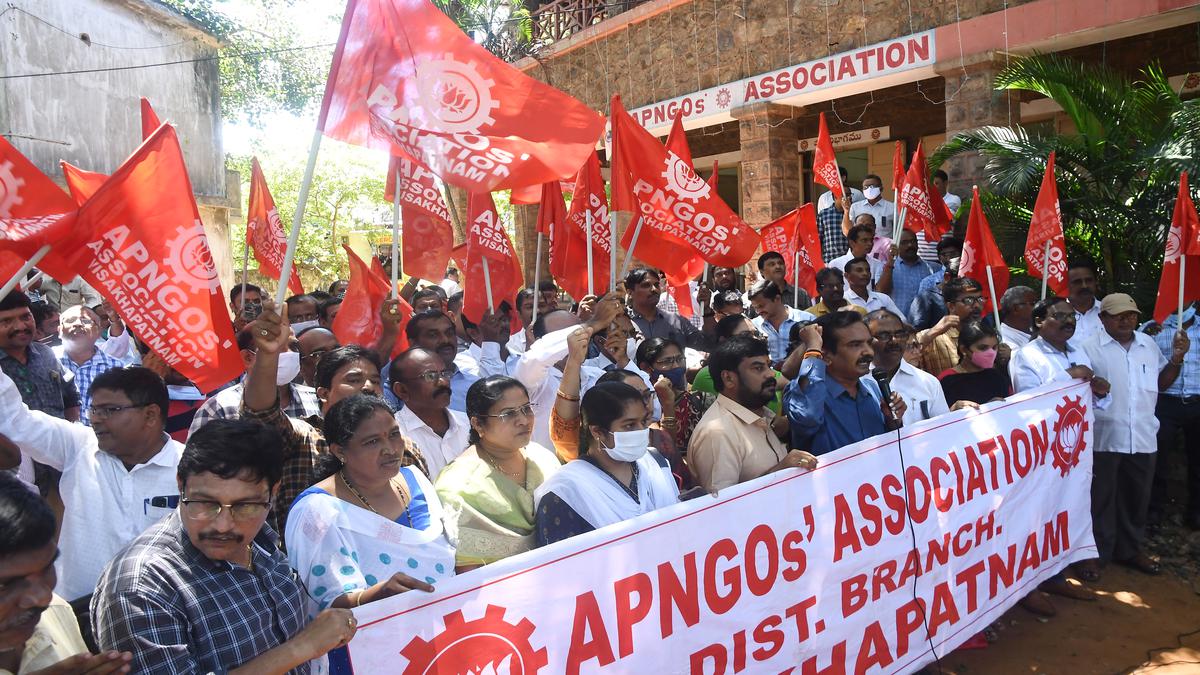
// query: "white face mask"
[[628, 446], [301, 326], [872, 192], [289, 368]]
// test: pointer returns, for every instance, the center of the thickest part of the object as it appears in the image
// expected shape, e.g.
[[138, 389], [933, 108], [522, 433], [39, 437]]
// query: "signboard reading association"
[[793, 83]]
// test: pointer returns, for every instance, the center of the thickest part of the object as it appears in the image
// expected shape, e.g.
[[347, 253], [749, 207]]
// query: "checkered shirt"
[[84, 374], [833, 240], [41, 380], [227, 405], [178, 611]]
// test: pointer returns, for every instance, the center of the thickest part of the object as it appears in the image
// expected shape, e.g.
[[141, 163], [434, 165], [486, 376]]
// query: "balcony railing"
[[560, 19]]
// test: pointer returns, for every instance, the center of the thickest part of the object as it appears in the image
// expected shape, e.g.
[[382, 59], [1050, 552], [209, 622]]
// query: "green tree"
[[268, 61], [1117, 172], [503, 28]]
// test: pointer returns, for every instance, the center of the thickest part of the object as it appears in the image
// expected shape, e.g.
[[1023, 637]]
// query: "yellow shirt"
[[55, 638], [733, 444], [821, 309]]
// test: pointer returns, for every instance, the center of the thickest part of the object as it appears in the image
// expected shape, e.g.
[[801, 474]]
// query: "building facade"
[[751, 77], [71, 76]]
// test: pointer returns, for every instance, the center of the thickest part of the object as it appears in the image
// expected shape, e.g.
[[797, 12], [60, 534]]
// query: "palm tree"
[[1117, 173], [503, 27]]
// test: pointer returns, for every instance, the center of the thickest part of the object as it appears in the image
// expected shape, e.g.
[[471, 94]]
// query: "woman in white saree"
[[617, 476], [369, 529]]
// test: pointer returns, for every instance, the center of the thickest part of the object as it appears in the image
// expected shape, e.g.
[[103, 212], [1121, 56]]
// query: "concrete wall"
[[92, 119]]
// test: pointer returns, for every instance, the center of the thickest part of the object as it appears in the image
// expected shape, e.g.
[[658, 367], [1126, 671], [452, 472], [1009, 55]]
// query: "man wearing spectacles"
[[939, 345], [118, 476], [422, 381], [79, 329], [207, 589]]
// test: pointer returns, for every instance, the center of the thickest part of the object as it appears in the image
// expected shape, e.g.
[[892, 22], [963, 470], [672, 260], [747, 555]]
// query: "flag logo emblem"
[[488, 645], [452, 97], [683, 181], [9, 184], [191, 260]]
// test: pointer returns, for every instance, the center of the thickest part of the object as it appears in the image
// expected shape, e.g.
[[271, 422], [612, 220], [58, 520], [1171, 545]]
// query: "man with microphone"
[[834, 401]]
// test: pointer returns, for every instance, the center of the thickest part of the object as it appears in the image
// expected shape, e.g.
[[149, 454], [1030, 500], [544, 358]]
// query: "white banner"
[[892, 550]]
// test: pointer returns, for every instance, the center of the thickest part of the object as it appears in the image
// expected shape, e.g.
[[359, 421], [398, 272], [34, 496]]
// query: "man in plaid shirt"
[[78, 354], [207, 589]]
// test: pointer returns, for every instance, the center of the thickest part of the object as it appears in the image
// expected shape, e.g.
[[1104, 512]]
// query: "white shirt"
[[839, 263], [1128, 424], [450, 286], [953, 202], [922, 393], [826, 199], [874, 300], [1087, 324], [105, 505], [535, 369], [1038, 362], [880, 210], [437, 450], [1012, 337], [516, 342]]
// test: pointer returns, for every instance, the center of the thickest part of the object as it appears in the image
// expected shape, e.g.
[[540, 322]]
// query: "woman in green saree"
[[487, 492]]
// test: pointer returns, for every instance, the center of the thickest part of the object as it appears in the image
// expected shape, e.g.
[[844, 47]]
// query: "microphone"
[[883, 380]]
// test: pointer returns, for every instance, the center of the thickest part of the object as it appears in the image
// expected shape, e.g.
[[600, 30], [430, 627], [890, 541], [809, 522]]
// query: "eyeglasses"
[[82, 320], [891, 337], [512, 414], [670, 361], [433, 375], [106, 411], [976, 300], [1062, 316], [315, 354], [202, 509]]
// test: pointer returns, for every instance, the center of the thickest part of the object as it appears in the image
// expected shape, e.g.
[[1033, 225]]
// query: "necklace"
[[491, 459], [402, 495]]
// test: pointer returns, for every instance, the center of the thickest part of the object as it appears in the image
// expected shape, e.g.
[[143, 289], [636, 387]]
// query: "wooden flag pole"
[[396, 238], [537, 278], [487, 285], [587, 215], [41, 253], [637, 230], [1045, 268], [298, 219], [612, 252]]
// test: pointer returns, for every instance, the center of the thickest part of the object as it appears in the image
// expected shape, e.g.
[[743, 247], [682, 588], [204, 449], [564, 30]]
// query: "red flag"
[[529, 194], [406, 79], [926, 211], [264, 231], [1182, 246], [149, 120], [682, 295], [81, 182], [459, 255], [358, 322], [1046, 226], [588, 196], [487, 240], [670, 199], [792, 233], [714, 178], [428, 235], [825, 166], [147, 253], [898, 167], [33, 212], [980, 252], [568, 248]]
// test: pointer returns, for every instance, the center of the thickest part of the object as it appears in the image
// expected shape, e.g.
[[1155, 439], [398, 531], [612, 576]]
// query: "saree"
[[490, 517]]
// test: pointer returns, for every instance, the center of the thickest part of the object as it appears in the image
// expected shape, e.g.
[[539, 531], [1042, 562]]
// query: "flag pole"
[[895, 214], [587, 215], [992, 292], [612, 251], [298, 219], [396, 238], [245, 271], [487, 284], [898, 226], [637, 230], [796, 280], [703, 280], [1182, 276], [41, 253], [1045, 268], [537, 278]]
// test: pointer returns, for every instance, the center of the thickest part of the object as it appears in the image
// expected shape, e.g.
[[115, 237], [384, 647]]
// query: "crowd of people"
[[147, 527]]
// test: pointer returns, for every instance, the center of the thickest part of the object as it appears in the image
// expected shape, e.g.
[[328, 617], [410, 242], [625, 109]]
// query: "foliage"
[[1117, 173], [346, 195], [501, 27], [267, 63]]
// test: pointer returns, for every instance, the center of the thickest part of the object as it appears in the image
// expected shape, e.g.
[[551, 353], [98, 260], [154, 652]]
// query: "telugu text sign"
[[870, 563]]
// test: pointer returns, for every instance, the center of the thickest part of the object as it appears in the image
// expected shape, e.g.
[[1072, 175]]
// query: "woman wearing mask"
[[370, 528], [664, 360], [488, 490], [976, 377], [616, 477]]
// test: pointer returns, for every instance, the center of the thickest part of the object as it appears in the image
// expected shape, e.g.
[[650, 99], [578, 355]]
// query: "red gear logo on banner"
[[454, 97], [1069, 428], [683, 181], [483, 646], [9, 184]]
